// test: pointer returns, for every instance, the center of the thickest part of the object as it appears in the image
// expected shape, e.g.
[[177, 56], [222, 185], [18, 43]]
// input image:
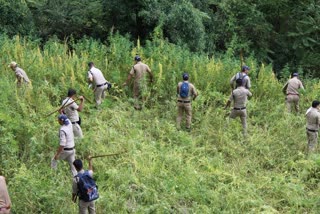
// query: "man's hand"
[[124, 84], [81, 98]]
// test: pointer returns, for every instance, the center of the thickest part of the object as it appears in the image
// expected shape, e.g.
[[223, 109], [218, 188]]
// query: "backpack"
[[240, 77], [184, 90], [87, 188]]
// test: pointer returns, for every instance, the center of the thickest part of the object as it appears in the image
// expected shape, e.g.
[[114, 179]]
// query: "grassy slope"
[[210, 170]]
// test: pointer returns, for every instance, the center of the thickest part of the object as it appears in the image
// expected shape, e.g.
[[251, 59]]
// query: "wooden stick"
[[63, 106], [87, 99], [106, 155]]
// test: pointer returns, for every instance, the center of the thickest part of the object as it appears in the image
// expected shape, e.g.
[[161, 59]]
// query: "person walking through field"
[[66, 150], [101, 85], [242, 75], [291, 90], [239, 97], [186, 93], [138, 71], [70, 108], [84, 205], [21, 75], [5, 202], [313, 123]]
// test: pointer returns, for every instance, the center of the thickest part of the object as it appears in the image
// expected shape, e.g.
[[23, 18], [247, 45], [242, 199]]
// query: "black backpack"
[[87, 188], [240, 76]]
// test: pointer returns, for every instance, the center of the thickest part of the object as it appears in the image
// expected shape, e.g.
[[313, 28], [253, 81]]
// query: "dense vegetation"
[[282, 32], [209, 170]]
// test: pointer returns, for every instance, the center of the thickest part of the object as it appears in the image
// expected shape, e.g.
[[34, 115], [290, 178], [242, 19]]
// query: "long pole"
[[107, 155], [63, 106]]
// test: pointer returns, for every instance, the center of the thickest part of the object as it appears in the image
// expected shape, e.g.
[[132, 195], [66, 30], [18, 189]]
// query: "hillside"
[[209, 170]]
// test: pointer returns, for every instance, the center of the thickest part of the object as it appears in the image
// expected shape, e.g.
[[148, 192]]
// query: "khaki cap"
[[12, 64]]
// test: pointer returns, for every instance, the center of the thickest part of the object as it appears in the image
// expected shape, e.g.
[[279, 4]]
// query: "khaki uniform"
[[292, 94], [101, 84], [83, 206], [73, 115], [245, 82], [313, 122], [139, 85], [67, 141], [239, 96], [21, 77], [184, 105], [4, 197]]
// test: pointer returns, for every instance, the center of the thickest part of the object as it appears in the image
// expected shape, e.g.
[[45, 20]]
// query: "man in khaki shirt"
[[101, 85], [66, 150], [313, 122], [83, 205], [71, 109], [138, 71], [184, 102], [290, 89], [239, 96], [5, 202], [242, 75], [21, 75]]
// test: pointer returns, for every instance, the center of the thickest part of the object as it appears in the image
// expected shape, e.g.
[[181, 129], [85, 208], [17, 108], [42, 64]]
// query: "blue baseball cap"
[[137, 58], [185, 76], [244, 68], [295, 74]]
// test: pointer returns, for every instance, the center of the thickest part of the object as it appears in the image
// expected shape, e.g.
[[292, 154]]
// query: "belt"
[[311, 130], [293, 94], [184, 101], [102, 84], [239, 108], [75, 122], [68, 149]]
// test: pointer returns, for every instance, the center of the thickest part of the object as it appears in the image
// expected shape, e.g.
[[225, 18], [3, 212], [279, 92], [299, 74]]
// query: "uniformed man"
[[5, 202], [22, 78], [83, 206], [242, 75], [239, 96], [66, 150], [138, 71], [290, 89], [184, 100], [313, 122], [100, 83], [72, 109]]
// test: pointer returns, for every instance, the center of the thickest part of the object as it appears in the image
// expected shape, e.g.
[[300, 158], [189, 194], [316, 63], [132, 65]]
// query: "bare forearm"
[[59, 150]]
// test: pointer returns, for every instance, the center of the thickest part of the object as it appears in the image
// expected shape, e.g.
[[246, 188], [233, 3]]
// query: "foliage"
[[208, 170]]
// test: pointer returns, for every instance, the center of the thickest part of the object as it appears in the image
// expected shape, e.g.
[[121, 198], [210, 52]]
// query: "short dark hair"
[[78, 164], [185, 76], [90, 64], [315, 103], [71, 92], [239, 81]]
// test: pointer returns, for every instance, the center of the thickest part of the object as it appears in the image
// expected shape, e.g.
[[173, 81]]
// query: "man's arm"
[[59, 150], [194, 93], [150, 74], [81, 103], [90, 163], [232, 81], [229, 101], [74, 197], [284, 88], [128, 79]]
